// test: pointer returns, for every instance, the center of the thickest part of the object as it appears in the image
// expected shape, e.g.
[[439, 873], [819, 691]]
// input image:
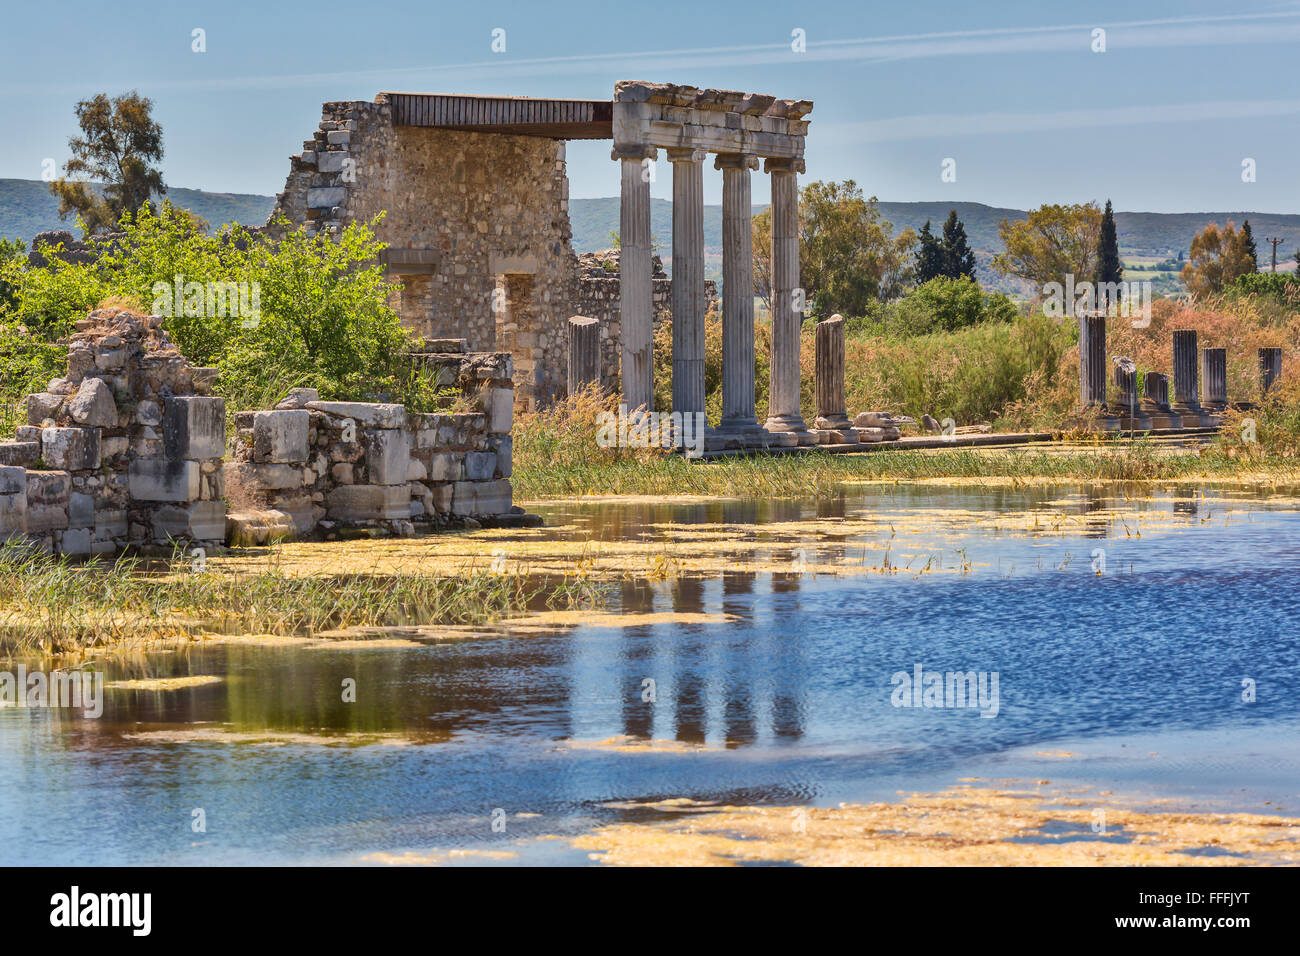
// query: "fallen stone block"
[[42, 406], [250, 528], [70, 449], [281, 436], [159, 479], [365, 414], [93, 404], [194, 427], [298, 398]]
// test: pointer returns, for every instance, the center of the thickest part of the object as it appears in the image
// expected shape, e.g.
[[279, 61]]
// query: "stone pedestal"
[[784, 413], [1186, 381], [1092, 371], [832, 423], [1214, 380], [584, 353], [1155, 401], [1270, 368], [635, 285]]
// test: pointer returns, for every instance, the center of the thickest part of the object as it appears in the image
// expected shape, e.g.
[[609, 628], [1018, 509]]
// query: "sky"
[[1018, 95]]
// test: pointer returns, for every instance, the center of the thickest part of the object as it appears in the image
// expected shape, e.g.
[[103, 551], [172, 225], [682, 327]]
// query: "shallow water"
[[1130, 679]]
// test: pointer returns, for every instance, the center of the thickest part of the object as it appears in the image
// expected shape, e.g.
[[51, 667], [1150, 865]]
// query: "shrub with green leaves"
[[945, 305]]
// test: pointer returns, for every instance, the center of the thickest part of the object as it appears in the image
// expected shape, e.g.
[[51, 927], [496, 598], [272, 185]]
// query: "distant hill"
[[27, 207]]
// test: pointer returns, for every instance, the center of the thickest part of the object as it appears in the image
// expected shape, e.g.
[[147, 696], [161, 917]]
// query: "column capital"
[[778, 164], [685, 154], [735, 161], [637, 151]]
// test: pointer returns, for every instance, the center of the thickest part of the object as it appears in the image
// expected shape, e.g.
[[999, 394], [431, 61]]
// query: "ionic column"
[[636, 315], [1186, 380], [1214, 371], [784, 414], [1270, 368], [831, 413], [738, 295], [688, 280]]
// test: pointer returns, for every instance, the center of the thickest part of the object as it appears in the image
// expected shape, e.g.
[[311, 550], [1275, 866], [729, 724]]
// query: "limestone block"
[[81, 510], [28, 433], [257, 477], [323, 197], [76, 541], [415, 470], [446, 466], [148, 412], [13, 480], [387, 455], [368, 502], [342, 473], [194, 427], [480, 465], [281, 436], [201, 521], [331, 162], [109, 447], [247, 528], [158, 479], [298, 398], [442, 498], [42, 406], [13, 514], [93, 404], [47, 500], [499, 405], [70, 449], [505, 457], [365, 414], [110, 524], [24, 453], [481, 498]]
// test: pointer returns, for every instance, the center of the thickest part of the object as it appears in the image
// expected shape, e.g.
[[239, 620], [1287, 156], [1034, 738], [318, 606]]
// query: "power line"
[[1274, 242]]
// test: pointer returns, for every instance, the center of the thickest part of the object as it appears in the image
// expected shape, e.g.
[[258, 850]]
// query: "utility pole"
[[1274, 242]]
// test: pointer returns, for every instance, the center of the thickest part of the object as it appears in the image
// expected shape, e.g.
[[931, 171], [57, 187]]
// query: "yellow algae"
[[1054, 753], [545, 620], [965, 826], [270, 738], [164, 683]]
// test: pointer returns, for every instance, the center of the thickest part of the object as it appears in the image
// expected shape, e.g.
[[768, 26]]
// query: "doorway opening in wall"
[[517, 333]]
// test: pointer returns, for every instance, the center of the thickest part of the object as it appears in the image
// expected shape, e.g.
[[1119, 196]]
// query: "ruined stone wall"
[[332, 469], [125, 450], [597, 297], [493, 206]]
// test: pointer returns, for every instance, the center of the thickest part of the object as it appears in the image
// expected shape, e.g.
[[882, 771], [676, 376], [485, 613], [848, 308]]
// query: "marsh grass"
[[53, 605], [820, 474]]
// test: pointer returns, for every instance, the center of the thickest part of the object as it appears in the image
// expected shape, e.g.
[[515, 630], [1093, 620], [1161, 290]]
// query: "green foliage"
[[1109, 267], [929, 256], [1281, 285], [1248, 241], [13, 253], [271, 314], [944, 305], [958, 257]]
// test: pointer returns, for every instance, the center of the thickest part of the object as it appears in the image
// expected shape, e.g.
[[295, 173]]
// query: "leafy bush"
[[945, 305]]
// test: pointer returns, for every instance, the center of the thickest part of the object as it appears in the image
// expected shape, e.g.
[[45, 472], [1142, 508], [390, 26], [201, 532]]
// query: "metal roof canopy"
[[517, 115]]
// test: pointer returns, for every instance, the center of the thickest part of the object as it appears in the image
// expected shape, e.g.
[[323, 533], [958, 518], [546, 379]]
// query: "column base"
[[1194, 415], [1161, 416], [1137, 422], [790, 425]]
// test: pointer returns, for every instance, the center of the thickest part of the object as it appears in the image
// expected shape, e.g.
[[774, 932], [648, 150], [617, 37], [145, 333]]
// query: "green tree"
[[1109, 268], [118, 145], [13, 256], [1248, 239], [1217, 258], [959, 259], [945, 304], [1053, 241], [930, 257]]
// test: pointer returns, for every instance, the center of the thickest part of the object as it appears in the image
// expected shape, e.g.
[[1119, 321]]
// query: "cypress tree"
[[959, 258], [930, 258], [1109, 268], [1248, 238]]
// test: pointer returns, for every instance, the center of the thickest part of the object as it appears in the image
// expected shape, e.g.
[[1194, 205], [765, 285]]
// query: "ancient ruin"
[[475, 201], [128, 450]]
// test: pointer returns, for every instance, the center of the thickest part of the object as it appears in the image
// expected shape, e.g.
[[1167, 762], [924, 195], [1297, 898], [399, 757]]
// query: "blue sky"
[[1012, 91]]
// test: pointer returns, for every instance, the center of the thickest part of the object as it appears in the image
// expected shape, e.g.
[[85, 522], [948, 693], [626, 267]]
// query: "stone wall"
[[484, 214], [124, 450], [332, 469], [597, 297]]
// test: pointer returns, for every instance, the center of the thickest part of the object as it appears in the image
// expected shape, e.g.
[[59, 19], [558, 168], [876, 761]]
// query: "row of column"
[[1191, 369], [688, 299]]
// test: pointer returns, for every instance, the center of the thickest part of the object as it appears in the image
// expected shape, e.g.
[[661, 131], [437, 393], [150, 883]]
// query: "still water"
[[787, 694]]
